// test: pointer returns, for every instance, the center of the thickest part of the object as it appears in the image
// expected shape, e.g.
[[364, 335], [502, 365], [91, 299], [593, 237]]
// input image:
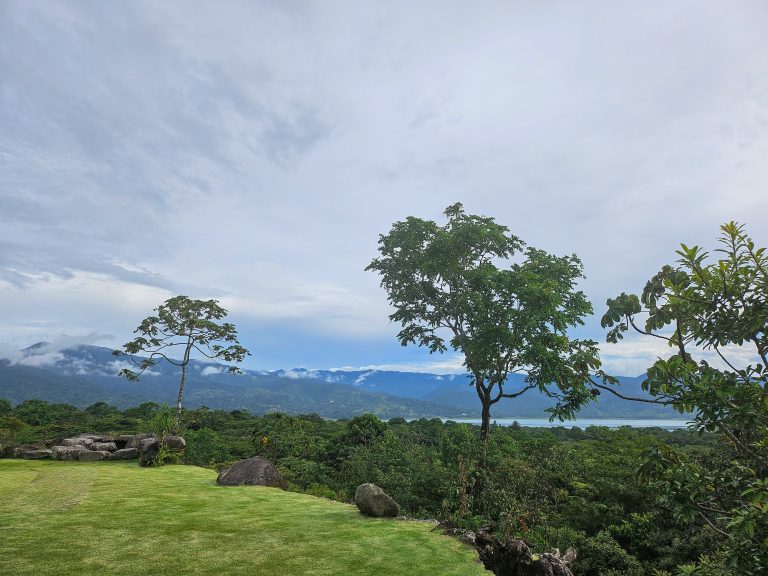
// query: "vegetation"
[[718, 307], [64, 519], [187, 325], [554, 487], [457, 281]]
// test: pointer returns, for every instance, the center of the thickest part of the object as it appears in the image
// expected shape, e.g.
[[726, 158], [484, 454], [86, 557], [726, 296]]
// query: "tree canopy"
[[713, 315], [457, 286], [181, 327]]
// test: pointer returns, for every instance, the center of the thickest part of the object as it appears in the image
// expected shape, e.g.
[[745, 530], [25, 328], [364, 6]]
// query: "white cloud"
[[211, 370], [447, 366], [362, 377], [633, 355], [126, 126], [49, 352]]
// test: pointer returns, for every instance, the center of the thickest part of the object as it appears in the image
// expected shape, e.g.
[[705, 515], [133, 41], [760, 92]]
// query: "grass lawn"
[[72, 518]]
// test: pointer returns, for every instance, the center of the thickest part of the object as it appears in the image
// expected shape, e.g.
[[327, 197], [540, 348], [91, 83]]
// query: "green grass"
[[104, 518]]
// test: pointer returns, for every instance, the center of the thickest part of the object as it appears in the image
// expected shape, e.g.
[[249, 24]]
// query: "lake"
[[667, 424]]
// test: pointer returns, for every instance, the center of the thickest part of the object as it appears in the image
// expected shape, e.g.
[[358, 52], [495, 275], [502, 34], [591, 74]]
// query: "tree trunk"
[[485, 419], [181, 394], [485, 425]]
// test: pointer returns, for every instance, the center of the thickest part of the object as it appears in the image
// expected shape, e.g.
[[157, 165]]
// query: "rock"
[[103, 446], [68, 452], [93, 455], [174, 442], [149, 448], [77, 441], [514, 558], [35, 454], [373, 501], [124, 454], [134, 441], [254, 471]]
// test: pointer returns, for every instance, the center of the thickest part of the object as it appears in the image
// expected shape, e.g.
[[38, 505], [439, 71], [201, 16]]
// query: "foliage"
[[455, 285], [553, 487], [10, 427], [704, 309], [186, 325]]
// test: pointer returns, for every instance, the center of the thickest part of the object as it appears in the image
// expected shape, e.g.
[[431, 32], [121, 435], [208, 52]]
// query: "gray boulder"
[[373, 501], [77, 441], [149, 448], [174, 442], [93, 455], [254, 471], [35, 454], [103, 446], [68, 452], [124, 454], [135, 440]]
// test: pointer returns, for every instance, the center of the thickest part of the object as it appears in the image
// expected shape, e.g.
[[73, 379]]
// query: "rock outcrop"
[[95, 447], [373, 501], [254, 471], [513, 557]]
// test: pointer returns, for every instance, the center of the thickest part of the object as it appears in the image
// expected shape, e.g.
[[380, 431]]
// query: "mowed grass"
[[104, 518]]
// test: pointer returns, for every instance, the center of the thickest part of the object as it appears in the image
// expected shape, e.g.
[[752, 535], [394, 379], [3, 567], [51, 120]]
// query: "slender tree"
[[181, 327], [456, 285]]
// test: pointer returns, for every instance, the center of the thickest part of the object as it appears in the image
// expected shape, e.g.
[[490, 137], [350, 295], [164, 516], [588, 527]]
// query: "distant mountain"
[[87, 374]]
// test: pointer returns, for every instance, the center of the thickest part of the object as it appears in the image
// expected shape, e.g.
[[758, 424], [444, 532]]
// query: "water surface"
[[667, 424]]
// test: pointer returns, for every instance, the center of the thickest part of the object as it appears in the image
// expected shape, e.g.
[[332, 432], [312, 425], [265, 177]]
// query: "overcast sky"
[[254, 151]]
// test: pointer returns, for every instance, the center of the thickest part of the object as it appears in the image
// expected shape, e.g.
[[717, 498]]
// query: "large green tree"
[[181, 328], [457, 286], [712, 311]]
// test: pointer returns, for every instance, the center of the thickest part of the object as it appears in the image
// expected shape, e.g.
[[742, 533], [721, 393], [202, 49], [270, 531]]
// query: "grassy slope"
[[71, 518]]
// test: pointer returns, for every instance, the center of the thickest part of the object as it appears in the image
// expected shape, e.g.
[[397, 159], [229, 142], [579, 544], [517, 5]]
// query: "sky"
[[253, 152]]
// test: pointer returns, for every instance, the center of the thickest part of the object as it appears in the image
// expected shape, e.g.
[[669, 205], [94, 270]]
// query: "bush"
[[601, 555]]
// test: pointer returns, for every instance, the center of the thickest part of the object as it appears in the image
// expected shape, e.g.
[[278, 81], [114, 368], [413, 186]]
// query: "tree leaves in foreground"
[[181, 327], [456, 286], [712, 311]]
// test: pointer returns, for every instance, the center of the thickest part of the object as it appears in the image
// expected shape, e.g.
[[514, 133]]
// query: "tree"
[[454, 285], [187, 326], [713, 315]]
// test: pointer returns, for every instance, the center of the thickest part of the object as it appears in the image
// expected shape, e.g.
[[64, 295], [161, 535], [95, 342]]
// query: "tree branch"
[[632, 398]]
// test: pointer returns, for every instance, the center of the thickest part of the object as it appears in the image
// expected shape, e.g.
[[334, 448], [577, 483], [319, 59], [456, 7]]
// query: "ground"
[[114, 518]]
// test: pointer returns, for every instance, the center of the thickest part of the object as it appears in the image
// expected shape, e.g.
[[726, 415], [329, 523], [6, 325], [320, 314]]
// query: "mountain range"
[[83, 375]]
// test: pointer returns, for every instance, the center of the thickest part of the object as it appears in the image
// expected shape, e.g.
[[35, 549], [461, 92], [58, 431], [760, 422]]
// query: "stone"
[[513, 557], [93, 455], [373, 501], [174, 442], [67, 452], [77, 441], [149, 448], [103, 446], [36, 454], [124, 454], [254, 471], [134, 441]]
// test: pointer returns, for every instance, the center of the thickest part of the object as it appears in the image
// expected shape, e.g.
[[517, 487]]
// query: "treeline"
[[554, 487]]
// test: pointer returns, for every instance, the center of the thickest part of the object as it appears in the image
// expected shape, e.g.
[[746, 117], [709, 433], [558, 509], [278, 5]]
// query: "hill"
[[87, 374], [83, 519]]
